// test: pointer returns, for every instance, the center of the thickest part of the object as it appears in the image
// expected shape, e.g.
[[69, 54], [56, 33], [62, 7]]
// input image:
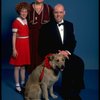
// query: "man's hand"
[[65, 53]]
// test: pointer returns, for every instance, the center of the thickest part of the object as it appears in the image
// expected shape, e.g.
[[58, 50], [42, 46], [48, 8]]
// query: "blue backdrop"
[[83, 14]]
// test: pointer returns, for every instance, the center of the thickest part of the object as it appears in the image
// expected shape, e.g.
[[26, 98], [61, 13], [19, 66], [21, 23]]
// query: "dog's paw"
[[54, 96], [45, 98]]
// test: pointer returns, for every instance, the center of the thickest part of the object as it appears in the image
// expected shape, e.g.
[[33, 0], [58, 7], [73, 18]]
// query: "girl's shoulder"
[[15, 21]]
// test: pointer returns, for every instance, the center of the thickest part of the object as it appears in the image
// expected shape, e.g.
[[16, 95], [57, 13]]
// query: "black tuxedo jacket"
[[50, 40]]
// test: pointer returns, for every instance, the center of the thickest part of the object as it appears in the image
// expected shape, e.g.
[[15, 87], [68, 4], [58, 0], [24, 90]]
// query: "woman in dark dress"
[[40, 13]]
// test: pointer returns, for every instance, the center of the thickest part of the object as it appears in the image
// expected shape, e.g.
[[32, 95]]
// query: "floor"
[[89, 93]]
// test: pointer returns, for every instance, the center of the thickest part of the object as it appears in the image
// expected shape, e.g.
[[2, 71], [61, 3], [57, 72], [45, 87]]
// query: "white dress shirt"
[[61, 30]]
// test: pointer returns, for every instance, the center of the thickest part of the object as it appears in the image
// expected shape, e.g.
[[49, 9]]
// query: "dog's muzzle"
[[62, 68]]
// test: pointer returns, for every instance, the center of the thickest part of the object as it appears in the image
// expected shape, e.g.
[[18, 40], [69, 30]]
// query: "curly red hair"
[[22, 5]]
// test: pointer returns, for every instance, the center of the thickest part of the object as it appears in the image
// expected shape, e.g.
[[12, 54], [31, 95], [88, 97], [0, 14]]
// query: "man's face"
[[59, 13]]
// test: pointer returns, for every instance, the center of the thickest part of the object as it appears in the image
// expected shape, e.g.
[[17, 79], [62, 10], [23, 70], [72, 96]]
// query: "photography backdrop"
[[82, 13]]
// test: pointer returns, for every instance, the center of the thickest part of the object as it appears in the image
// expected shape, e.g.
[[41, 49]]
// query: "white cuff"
[[14, 30], [68, 52]]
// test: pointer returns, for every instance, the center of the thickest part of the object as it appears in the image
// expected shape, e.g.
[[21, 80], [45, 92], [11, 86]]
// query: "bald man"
[[58, 37]]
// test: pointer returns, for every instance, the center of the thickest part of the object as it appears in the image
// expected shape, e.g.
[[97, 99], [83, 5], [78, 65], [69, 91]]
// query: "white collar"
[[61, 22], [20, 20]]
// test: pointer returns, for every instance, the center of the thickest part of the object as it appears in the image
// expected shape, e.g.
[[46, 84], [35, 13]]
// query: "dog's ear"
[[51, 57]]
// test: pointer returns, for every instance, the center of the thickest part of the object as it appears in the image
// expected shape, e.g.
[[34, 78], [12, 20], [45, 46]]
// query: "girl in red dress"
[[40, 13], [20, 44]]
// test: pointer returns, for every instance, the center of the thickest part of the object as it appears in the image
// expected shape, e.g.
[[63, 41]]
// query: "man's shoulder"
[[67, 22], [48, 26], [49, 23]]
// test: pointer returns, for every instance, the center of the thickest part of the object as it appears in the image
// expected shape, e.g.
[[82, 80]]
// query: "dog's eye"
[[57, 60], [62, 59]]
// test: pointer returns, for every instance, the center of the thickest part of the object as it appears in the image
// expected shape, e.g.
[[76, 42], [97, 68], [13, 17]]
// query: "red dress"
[[35, 22], [22, 44]]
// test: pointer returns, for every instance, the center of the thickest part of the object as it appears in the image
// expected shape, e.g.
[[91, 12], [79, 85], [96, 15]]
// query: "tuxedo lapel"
[[56, 33], [65, 31], [64, 35]]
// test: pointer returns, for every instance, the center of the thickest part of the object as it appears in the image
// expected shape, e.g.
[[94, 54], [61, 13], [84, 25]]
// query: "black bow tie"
[[60, 24]]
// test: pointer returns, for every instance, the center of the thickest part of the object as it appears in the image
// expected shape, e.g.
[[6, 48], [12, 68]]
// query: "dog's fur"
[[34, 88]]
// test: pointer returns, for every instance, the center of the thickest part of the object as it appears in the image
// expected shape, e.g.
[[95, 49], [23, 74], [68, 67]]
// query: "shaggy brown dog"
[[43, 78]]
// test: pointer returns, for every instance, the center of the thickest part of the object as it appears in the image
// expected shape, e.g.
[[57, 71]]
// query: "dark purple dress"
[[35, 22]]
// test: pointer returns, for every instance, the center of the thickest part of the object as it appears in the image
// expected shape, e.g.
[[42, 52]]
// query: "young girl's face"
[[23, 13]]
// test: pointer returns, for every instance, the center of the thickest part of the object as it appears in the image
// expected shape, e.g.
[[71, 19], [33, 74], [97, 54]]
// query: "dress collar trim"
[[20, 20]]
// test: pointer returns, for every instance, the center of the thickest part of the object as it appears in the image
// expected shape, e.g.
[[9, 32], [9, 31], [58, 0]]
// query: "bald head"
[[59, 12], [59, 6]]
